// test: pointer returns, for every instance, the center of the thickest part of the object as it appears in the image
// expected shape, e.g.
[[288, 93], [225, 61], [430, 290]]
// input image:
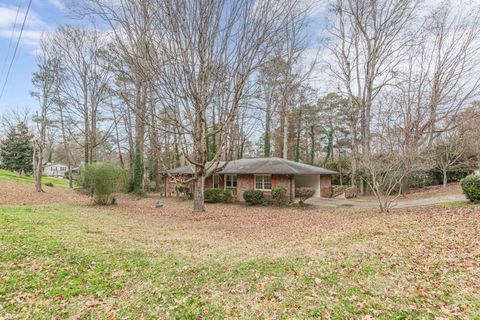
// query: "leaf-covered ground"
[[135, 261]]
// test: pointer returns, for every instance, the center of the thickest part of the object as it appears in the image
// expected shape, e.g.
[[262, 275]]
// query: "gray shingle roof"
[[261, 165]]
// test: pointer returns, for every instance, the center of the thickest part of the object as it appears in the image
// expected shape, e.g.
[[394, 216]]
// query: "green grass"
[[459, 204], [15, 177], [64, 261]]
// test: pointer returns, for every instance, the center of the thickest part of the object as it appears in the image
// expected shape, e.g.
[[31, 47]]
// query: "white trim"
[[263, 181], [217, 184], [319, 189], [225, 181]]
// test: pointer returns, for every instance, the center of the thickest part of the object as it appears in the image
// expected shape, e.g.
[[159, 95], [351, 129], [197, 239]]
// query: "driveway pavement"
[[355, 203]]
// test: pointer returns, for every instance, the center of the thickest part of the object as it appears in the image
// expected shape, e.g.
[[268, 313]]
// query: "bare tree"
[[448, 153], [47, 82], [207, 54], [367, 45], [440, 77], [84, 90], [368, 40]]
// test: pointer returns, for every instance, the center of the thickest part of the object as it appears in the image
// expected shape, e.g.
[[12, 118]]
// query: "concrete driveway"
[[355, 203]]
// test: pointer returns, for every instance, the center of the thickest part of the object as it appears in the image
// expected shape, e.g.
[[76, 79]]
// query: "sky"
[[44, 16]]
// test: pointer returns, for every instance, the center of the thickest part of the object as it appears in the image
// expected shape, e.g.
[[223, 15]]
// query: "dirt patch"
[[426, 192]]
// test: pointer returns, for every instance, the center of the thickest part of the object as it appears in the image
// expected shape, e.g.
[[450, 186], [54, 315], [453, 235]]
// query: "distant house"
[[259, 174], [56, 170]]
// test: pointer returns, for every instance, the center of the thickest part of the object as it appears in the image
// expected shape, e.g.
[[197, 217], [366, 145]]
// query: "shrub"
[[471, 187], [215, 195], [183, 191], [227, 196], [49, 184], [267, 202], [279, 196], [304, 194], [102, 180], [253, 197]]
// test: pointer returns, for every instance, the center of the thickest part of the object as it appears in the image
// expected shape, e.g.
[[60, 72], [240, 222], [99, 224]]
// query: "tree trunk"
[[37, 166], [445, 178], [312, 144], [139, 137], [154, 143], [198, 200], [66, 148], [297, 142], [266, 142], [285, 137]]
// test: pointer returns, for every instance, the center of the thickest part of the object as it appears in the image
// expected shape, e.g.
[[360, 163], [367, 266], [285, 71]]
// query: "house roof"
[[261, 165]]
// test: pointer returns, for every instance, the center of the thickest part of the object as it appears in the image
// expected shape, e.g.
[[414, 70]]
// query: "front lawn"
[[245, 262], [10, 176]]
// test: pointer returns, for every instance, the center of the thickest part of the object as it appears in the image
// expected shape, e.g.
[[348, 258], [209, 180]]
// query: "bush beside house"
[[253, 197], [216, 195], [279, 196]]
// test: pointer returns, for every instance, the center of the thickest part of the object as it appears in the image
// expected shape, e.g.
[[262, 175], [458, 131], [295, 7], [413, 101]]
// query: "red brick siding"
[[244, 182], [170, 185], [326, 186]]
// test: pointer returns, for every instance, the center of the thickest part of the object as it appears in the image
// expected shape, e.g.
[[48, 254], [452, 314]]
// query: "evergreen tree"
[[16, 151]]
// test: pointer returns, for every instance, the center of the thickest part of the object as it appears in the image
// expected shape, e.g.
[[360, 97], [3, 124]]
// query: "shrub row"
[[215, 195], [279, 196]]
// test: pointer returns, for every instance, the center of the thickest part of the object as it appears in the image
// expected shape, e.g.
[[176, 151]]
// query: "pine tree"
[[16, 151]]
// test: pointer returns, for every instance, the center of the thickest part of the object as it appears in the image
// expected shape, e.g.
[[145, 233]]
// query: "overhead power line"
[[16, 48], [11, 40]]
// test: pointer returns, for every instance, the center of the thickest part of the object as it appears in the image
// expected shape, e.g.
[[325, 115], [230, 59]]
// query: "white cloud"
[[57, 4], [10, 29]]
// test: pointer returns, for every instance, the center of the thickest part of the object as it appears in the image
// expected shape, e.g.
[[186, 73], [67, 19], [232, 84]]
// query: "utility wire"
[[16, 48], [11, 38]]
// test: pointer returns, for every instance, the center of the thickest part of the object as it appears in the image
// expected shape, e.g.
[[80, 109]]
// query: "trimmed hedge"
[[215, 195], [471, 187], [253, 197]]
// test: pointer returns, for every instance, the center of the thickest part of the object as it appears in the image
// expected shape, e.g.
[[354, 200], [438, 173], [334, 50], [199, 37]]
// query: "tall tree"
[[207, 54], [46, 80], [368, 41], [84, 89], [16, 150]]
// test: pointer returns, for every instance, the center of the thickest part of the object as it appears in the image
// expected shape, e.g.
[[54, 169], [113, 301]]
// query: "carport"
[[308, 181]]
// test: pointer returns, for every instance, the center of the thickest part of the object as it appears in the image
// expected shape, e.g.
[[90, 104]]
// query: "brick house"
[[258, 174]]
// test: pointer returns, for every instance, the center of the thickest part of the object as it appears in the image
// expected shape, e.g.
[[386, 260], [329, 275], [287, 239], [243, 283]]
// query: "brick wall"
[[284, 181], [244, 182], [326, 186]]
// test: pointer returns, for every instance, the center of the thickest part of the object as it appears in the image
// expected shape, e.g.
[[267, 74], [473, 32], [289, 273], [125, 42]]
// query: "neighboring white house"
[[56, 170]]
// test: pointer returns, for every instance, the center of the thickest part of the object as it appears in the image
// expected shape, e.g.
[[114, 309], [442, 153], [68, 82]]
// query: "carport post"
[[291, 188]]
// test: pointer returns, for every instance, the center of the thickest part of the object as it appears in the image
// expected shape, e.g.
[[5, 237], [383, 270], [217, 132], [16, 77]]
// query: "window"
[[216, 180], [230, 181], [263, 182]]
